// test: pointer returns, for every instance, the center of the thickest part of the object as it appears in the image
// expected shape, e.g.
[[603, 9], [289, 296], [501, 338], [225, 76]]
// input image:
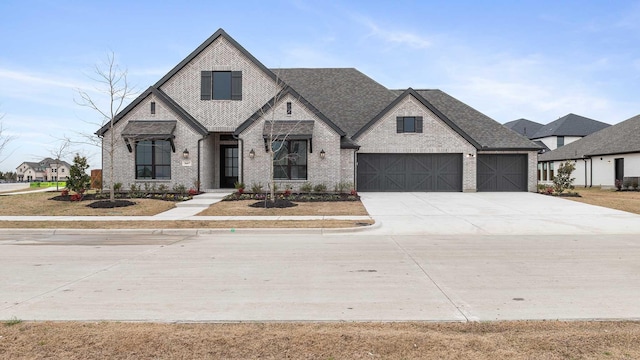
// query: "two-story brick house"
[[46, 170], [207, 122]]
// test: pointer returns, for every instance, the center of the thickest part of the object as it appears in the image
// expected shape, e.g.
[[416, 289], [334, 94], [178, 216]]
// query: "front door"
[[228, 166], [619, 164]]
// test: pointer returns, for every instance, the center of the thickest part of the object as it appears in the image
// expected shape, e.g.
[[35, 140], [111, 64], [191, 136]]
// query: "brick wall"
[[437, 137]]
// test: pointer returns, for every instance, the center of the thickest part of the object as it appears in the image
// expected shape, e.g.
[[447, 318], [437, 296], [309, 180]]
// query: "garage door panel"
[[502, 172], [410, 172]]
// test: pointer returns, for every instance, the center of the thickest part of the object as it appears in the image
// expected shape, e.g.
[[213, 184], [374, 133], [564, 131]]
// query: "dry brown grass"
[[496, 340], [334, 208], [184, 224], [40, 204], [621, 200]]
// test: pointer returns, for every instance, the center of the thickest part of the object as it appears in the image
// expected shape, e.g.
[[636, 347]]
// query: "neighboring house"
[[205, 124], [524, 127], [566, 130], [600, 158], [46, 170]]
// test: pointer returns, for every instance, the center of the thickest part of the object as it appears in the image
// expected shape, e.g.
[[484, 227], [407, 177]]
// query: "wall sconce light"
[[252, 154], [185, 154], [322, 154], [470, 155]]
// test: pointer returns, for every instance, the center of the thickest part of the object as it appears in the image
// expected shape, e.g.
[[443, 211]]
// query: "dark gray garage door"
[[502, 172], [409, 172]]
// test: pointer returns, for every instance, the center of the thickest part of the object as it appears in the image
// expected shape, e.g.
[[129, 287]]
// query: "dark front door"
[[409, 172], [619, 169], [228, 166], [502, 172]]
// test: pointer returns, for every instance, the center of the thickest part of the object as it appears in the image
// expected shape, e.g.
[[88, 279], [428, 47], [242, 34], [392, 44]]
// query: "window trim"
[[401, 124], [289, 165], [153, 165]]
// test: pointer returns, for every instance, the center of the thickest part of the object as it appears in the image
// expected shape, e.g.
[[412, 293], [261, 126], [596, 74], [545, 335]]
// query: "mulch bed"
[[279, 203], [106, 204]]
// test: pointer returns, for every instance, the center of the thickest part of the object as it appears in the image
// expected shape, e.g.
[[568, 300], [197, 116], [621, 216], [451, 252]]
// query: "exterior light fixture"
[[470, 155], [322, 154], [185, 154], [252, 154]]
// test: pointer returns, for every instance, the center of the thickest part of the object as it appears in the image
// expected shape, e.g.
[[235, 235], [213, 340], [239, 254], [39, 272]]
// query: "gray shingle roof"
[[617, 139], [484, 130], [291, 129], [345, 95], [524, 127], [570, 125]]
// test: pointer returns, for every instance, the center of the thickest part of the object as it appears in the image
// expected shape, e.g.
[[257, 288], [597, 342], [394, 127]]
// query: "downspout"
[[241, 156], [355, 170]]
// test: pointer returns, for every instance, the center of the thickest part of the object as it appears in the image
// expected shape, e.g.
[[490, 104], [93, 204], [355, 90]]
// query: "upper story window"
[[153, 108], [221, 85], [560, 141], [409, 124]]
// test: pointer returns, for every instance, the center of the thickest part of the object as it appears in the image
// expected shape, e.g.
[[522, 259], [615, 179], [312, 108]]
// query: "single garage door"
[[502, 172], [409, 172]]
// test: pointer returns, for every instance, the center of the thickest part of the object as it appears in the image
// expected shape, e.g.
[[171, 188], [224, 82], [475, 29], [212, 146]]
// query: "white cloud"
[[395, 37]]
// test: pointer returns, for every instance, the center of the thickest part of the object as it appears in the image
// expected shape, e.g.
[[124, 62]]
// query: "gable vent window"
[[289, 108], [153, 108], [221, 85], [409, 124]]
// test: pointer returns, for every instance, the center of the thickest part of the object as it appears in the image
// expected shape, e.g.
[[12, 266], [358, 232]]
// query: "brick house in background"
[[207, 121], [46, 170]]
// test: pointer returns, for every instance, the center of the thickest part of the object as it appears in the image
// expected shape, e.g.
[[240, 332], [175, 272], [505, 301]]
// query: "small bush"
[[320, 188], [307, 187], [163, 188], [256, 188], [618, 184], [238, 185], [193, 192], [179, 189], [343, 187], [626, 184], [117, 187], [634, 184]]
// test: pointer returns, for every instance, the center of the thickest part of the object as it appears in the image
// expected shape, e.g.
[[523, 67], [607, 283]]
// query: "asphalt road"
[[353, 277]]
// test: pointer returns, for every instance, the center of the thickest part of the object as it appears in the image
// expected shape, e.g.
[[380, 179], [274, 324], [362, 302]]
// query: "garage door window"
[[409, 124]]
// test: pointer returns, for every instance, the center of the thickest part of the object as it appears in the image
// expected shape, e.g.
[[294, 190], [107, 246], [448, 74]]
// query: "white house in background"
[[566, 130], [600, 158], [46, 170]]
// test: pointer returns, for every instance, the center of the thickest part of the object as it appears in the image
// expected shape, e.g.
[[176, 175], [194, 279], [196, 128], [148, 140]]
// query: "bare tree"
[[112, 82], [4, 140], [277, 135], [58, 153]]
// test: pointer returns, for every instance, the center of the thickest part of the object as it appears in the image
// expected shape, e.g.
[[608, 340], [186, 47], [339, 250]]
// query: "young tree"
[[4, 139], [563, 180], [112, 82], [277, 135], [78, 180]]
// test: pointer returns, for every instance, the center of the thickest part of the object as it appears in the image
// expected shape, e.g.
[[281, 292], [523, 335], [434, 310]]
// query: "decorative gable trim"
[[170, 103], [425, 103], [203, 46]]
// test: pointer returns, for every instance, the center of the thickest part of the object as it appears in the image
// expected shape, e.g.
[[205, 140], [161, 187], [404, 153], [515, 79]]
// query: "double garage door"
[[439, 172]]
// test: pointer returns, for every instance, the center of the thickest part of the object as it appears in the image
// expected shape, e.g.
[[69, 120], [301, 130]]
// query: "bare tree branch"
[[4, 140], [112, 82]]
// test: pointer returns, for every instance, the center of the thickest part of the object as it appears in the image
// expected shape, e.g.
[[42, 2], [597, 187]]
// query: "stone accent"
[[437, 137]]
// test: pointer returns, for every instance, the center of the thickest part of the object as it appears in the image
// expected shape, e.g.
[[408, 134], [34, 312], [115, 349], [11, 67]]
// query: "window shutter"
[[399, 124], [418, 124], [236, 85], [205, 85]]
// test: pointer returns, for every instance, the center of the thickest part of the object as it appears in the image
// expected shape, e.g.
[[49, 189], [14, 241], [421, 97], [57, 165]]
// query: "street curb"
[[190, 232]]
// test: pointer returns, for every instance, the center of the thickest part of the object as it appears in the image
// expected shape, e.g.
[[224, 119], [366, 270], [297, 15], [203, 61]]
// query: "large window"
[[560, 141], [221, 85], [409, 124], [551, 175], [290, 160], [153, 160]]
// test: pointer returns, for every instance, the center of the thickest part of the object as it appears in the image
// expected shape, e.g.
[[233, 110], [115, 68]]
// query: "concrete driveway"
[[492, 214]]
